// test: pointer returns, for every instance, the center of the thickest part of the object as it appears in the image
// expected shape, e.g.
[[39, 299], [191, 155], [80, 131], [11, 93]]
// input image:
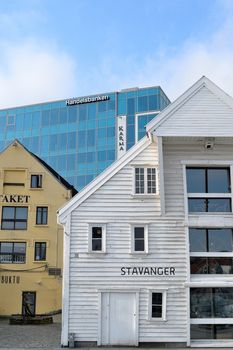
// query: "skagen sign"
[[148, 271], [82, 100]]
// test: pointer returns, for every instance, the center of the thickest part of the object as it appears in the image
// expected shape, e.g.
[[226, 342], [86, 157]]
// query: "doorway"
[[29, 304], [119, 318]]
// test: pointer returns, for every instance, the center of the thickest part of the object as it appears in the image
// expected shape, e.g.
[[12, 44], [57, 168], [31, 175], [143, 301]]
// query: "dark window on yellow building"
[[14, 218], [40, 251], [12, 252], [41, 215], [36, 181]]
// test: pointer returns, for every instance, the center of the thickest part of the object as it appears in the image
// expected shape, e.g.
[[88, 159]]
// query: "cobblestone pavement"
[[30, 337], [45, 337]]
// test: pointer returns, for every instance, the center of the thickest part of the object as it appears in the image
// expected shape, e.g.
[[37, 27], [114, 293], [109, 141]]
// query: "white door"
[[119, 318]]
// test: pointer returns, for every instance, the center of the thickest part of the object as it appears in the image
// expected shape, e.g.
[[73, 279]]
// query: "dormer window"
[[36, 181]]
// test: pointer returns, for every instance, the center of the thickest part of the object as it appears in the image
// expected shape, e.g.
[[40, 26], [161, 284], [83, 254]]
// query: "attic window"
[[36, 181]]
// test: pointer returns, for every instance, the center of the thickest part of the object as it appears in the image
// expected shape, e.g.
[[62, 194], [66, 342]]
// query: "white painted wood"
[[65, 285], [118, 318]]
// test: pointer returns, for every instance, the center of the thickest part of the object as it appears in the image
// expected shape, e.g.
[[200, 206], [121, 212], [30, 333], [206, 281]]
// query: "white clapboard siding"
[[204, 114], [175, 153]]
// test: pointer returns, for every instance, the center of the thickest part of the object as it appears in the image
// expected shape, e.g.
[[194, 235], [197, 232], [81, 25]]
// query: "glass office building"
[[78, 137]]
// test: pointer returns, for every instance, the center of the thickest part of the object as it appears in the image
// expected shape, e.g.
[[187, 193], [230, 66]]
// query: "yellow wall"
[[16, 166]]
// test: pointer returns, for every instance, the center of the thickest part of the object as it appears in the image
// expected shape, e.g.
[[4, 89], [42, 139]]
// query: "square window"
[[12, 252], [14, 218], [36, 181]]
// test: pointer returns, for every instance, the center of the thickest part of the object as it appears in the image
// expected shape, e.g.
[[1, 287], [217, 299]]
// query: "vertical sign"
[[121, 136]]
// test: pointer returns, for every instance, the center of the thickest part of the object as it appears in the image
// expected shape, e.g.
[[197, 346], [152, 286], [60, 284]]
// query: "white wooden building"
[[148, 244]]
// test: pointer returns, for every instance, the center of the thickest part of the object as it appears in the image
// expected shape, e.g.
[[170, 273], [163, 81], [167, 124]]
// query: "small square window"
[[36, 181], [139, 239], [157, 305], [97, 238]]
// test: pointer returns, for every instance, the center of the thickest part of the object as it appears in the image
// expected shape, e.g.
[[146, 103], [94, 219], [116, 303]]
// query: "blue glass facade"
[[79, 141]]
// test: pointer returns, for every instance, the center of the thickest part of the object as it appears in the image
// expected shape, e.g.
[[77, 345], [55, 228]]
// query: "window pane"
[[139, 232], [157, 298], [202, 331], [219, 205], [224, 331], [6, 247], [21, 213], [197, 205], [201, 305], [196, 182], [197, 240], [142, 103], [220, 265], [8, 225], [156, 311], [151, 180], [20, 225], [198, 265], [96, 232], [8, 212], [139, 245], [223, 302], [139, 180], [19, 247], [96, 244], [220, 240], [218, 180]]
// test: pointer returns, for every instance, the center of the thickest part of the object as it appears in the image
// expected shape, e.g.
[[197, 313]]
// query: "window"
[[97, 238], [139, 239], [210, 240], [12, 252], [157, 305], [14, 218], [41, 215], [205, 244], [36, 181], [40, 251], [145, 181], [209, 189], [211, 302]]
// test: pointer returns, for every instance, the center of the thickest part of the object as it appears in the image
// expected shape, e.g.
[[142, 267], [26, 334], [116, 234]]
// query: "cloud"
[[32, 73]]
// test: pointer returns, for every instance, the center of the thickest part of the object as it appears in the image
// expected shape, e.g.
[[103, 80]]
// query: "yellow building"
[[31, 241]]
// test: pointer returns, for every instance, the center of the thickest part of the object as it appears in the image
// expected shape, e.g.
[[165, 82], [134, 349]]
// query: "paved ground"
[[30, 337], [43, 337]]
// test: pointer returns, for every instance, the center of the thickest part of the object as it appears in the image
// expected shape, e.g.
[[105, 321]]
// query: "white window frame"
[[187, 195], [145, 167], [164, 305], [136, 120], [103, 226], [145, 251]]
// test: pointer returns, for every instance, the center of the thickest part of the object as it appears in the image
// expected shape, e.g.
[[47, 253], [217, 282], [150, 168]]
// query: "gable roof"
[[58, 177], [158, 125], [103, 178]]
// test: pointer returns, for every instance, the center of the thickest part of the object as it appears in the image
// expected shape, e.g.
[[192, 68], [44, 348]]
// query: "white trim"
[[211, 254], [206, 162], [211, 321], [66, 284], [103, 250], [161, 176], [180, 101], [164, 305], [136, 121], [102, 178], [145, 251]]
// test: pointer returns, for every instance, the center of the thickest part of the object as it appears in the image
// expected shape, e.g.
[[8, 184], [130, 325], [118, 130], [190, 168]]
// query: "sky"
[[57, 49]]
